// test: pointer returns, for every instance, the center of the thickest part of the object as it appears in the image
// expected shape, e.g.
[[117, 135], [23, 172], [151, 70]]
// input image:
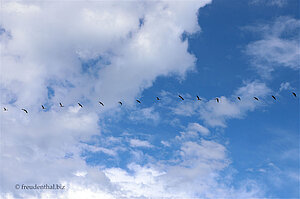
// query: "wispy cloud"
[[278, 46]]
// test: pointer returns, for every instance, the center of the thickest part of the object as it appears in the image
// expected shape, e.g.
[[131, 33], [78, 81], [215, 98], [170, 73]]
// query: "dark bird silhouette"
[[60, 104], [101, 103], [198, 98], [121, 103], [217, 99], [239, 98], [294, 94], [274, 97], [138, 101], [5, 109], [255, 98], [43, 107], [24, 110], [157, 98], [80, 105], [180, 97]]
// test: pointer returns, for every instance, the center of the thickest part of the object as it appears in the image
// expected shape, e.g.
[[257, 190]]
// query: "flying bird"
[[217, 99], [80, 105], [255, 98], [294, 94], [180, 97], [198, 98], [24, 110], [274, 97], [121, 103], [60, 104], [43, 107], [157, 98], [138, 101], [239, 98], [101, 103], [5, 109]]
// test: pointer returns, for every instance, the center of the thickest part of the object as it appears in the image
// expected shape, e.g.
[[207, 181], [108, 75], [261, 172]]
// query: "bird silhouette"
[[198, 98], [60, 104], [101, 103], [274, 97], [217, 99], [80, 105], [43, 107], [255, 98], [157, 98], [121, 103], [24, 110], [239, 98], [180, 97], [138, 101], [294, 94], [5, 109]]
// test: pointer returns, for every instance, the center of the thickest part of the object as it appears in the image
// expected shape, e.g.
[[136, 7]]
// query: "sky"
[[84, 52]]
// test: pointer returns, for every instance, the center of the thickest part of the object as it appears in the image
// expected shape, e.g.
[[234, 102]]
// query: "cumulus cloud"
[[278, 47], [88, 51]]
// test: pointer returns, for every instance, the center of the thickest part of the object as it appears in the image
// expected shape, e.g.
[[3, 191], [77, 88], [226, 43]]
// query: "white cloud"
[[140, 143], [279, 3], [143, 114], [285, 86], [198, 128], [215, 114], [278, 47]]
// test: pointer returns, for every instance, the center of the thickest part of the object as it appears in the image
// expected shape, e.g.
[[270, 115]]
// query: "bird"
[[198, 98], [43, 107], [239, 98], [217, 99], [138, 101], [24, 110], [60, 104], [157, 98], [101, 103], [294, 94], [121, 103], [255, 98], [274, 97], [80, 105], [5, 109], [180, 97]]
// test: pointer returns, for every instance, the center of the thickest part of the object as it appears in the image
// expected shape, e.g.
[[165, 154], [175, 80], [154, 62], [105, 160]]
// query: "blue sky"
[[167, 148]]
